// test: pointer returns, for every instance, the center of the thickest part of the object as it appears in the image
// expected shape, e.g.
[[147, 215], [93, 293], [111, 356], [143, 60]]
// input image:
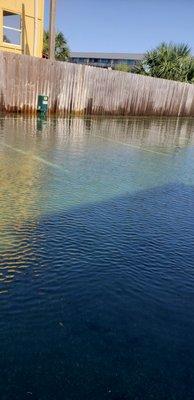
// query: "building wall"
[[102, 62], [29, 24]]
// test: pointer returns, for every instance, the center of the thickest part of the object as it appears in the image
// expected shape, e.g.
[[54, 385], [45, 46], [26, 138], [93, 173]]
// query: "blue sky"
[[124, 25]]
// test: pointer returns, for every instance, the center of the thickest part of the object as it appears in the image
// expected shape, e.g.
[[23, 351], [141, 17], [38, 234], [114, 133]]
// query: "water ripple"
[[96, 259]]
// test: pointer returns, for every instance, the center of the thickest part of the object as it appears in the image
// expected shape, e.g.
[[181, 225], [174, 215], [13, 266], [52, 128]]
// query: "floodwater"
[[96, 259]]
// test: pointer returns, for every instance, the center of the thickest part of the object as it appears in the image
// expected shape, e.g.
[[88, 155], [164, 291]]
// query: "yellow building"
[[21, 26]]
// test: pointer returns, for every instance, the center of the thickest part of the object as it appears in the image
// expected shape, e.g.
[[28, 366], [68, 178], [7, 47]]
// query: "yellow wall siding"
[[26, 8]]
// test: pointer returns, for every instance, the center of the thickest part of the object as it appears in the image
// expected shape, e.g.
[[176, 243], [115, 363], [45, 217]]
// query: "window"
[[120, 61], [104, 60], [130, 62], [12, 28]]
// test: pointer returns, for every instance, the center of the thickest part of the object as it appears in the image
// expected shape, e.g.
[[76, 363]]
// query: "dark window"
[[80, 60], [11, 28], [130, 62], [120, 61], [104, 60]]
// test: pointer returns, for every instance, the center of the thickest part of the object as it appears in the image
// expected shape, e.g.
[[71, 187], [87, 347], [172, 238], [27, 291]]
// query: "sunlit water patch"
[[96, 258]]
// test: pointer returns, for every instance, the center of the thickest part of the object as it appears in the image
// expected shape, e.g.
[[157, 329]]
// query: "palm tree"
[[61, 46], [168, 61]]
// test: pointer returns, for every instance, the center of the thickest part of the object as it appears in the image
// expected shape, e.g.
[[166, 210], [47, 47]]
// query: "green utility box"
[[42, 103]]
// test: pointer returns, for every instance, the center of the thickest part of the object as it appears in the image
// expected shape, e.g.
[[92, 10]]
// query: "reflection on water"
[[71, 161], [52, 165], [96, 255]]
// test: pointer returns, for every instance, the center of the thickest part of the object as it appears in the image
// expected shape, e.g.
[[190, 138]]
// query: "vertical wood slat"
[[80, 90]]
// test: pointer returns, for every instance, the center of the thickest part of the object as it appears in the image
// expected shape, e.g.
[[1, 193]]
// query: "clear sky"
[[124, 25]]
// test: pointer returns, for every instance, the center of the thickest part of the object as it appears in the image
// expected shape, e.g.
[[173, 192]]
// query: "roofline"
[[116, 56]]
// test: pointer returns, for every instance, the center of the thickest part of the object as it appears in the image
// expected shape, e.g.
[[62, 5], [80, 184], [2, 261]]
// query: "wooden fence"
[[84, 90]]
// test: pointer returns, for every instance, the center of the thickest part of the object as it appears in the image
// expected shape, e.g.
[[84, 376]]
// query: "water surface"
[[96, 259]]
